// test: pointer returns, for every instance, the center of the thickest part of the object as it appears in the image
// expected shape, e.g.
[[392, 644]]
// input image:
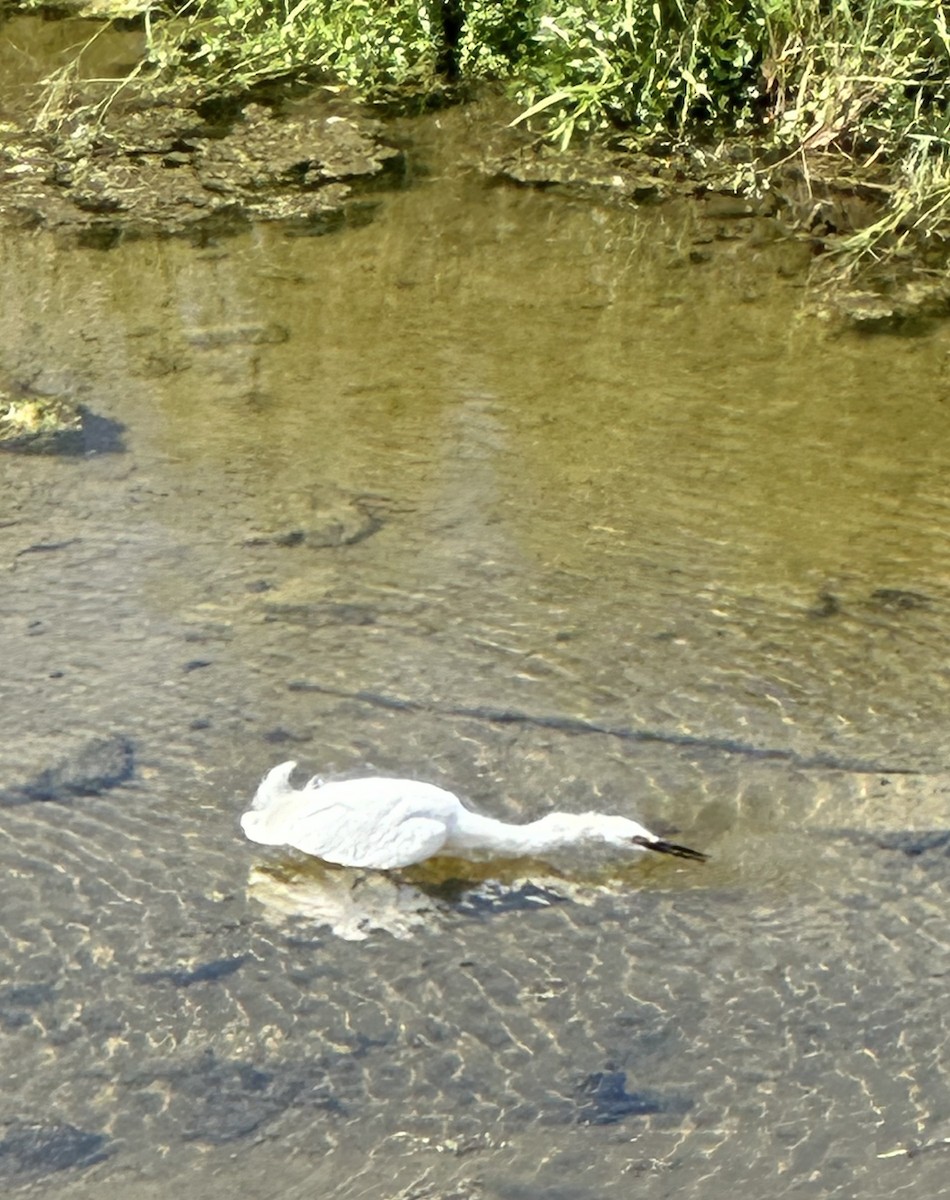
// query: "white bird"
[[388, 823]]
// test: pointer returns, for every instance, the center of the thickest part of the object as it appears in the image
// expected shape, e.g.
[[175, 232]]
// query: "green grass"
[[795, 71], [370, 45]]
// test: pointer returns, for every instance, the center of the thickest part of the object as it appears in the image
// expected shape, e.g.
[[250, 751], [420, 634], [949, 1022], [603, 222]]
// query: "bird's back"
[[373, 822]]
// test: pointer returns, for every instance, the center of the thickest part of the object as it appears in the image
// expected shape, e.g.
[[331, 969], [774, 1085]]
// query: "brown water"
[[545, 467], [48, 46]]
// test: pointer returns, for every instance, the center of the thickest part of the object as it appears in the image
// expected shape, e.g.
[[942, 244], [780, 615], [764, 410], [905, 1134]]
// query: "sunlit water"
[[497, 454]]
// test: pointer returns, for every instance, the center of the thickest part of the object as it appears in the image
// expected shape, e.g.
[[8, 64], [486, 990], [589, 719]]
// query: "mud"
[[112, 158], [816, 209]]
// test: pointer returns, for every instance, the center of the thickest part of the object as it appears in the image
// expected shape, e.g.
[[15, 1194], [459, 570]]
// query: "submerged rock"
[[217, 1100], [30, 1150], [325, 522], [96, 766], [19, 1002]]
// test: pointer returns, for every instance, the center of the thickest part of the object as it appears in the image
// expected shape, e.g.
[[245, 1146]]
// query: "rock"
[[31, 424]]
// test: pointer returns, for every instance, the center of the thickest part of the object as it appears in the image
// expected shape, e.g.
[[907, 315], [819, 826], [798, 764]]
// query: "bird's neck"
[[475, 835]]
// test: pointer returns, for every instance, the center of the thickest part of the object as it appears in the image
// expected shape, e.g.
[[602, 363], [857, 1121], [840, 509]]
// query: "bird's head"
[[617, 832], [622, 833]]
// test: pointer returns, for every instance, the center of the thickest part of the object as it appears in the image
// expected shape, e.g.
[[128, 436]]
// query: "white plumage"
[[388, 823]]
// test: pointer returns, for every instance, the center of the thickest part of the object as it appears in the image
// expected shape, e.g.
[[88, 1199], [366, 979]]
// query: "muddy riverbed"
[[556, 502]]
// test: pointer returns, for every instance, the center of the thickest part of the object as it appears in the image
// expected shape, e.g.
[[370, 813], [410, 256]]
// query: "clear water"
[[545, 467]]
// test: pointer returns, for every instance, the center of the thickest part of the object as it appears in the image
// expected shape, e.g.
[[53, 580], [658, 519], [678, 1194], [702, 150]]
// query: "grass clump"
[[659, 68], [797, 71], [370, 45]]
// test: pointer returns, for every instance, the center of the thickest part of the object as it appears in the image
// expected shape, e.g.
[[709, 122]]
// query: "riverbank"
[[829, 123]]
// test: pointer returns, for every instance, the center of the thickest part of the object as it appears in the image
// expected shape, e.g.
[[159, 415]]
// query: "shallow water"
[[506, 491], [47, 46]]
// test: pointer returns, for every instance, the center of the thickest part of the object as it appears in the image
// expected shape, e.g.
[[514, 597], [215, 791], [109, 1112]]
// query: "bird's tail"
[[663, 847], [274, 786]]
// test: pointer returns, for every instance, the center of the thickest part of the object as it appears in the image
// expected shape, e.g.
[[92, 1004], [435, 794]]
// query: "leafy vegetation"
[[801, 71]]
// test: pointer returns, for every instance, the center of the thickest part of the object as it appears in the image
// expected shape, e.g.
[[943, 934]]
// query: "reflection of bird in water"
[[353, 904], [357, 903], [387, 823]]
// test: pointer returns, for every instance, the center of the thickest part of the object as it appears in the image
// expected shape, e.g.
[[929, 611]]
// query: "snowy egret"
[[387, 823]]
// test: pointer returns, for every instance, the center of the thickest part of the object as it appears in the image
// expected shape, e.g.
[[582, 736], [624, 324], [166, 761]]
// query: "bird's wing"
[[367, 839], [380, 827]]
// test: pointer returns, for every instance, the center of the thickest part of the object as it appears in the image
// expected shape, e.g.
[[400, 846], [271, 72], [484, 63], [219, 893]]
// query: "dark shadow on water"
[[90, 434], [604, 1100], [209, 972]]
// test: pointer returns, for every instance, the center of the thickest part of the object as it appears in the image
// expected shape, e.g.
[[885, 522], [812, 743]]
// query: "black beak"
[[662, 847]]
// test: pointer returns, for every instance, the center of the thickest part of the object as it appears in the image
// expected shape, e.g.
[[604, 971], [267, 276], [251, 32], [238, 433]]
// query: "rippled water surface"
[[530, 497]]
